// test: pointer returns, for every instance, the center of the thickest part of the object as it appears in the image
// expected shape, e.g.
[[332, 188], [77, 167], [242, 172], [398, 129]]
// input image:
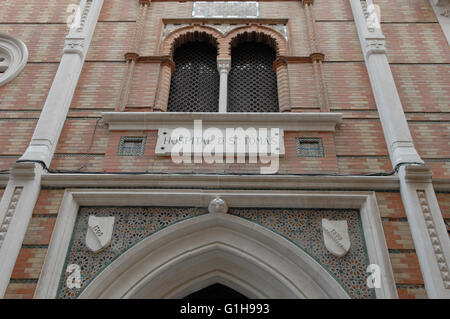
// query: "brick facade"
[[420, 63]]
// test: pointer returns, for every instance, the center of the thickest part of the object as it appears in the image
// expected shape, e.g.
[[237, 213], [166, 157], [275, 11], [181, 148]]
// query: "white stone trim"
[[223, 181], [48, 129], [395, 127], [427, 234], [73, 199], [15, 53], [287, 121]]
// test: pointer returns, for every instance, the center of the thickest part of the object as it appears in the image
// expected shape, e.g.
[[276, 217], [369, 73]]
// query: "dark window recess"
[[195, 83], [309, 147], [252, 81], [131, 146]]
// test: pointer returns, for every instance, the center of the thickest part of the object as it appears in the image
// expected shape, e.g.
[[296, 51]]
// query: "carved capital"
[[308, 2], [131, 56], [317, 57], [279, 61], [167, 61], [375, 46], [224, 65], [144, 2], [74, 45]]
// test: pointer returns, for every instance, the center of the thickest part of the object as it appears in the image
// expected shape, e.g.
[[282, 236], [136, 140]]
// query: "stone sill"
[[134, 121]]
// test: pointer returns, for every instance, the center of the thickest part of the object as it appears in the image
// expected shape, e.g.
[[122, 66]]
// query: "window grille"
[[195, 82], [132, 146], [309, 147], [252, 81]]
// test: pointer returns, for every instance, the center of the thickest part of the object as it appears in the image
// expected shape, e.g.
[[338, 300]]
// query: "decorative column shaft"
[[310, 20], [165, 76], [319, 78], [281, 69], [19, 199], [224, 67], [316, 58], [422, 209], [132, 56]]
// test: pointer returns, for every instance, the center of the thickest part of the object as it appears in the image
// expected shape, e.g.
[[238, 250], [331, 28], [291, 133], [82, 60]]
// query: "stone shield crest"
[[99, 233], [336, 237]]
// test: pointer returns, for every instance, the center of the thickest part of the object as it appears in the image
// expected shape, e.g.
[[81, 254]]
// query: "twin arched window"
[[252, 83]]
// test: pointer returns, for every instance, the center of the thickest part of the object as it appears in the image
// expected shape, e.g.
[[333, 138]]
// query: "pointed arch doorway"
[[214, 249]]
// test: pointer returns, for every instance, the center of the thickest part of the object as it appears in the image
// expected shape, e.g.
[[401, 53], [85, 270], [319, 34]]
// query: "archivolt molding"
[[223, 39], [13, 57], [260, 34], [191, 33]]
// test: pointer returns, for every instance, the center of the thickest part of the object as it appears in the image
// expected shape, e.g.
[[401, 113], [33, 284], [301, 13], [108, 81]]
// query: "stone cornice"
[[287, 121], [222, 181]]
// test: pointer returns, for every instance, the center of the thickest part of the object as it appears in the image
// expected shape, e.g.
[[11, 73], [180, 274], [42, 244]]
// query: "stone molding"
[[324, 122], [286, 182], [15, 56]]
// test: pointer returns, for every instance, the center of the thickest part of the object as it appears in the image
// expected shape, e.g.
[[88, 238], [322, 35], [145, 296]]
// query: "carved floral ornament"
[[13, 57]]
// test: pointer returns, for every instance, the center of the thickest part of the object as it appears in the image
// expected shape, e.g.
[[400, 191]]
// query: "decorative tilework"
[[132, 224], [303, 228]]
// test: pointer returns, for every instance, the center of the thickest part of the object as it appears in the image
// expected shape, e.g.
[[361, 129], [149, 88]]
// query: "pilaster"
[[316, 57], [16, 209], [424, 216], [281, 69], [165, 76], [132, 56], [19, 199]]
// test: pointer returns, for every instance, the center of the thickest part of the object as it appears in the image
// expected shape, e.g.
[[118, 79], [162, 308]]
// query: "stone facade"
[[120, 60]]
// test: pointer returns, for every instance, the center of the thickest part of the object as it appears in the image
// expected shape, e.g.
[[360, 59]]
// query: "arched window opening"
[[252, 81], [195, 82]]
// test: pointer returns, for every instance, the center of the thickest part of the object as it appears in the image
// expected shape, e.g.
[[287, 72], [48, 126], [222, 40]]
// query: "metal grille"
[[195, 82], [132, 146], [252, 82], [309, 147]]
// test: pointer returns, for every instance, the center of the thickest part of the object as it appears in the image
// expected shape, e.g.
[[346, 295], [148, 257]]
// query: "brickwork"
[[420, 62], [48, 202]]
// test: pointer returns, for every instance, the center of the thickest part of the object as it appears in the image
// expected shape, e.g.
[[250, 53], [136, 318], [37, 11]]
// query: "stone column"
[[132, 56], [424, 216], [224, 67], [17, 204], [316, 58], [165, 76], [281, 69]]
